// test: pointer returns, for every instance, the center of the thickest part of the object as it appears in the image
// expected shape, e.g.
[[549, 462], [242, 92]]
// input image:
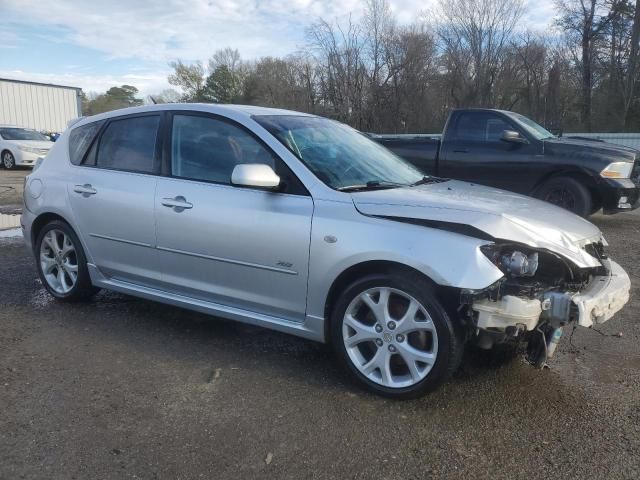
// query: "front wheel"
[[568, 193], [62, 265], [8, 160], [394, 336]]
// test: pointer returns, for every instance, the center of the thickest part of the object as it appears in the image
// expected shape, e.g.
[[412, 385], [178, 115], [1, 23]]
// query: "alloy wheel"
[[59, 261], [7, 160], [390, 337]]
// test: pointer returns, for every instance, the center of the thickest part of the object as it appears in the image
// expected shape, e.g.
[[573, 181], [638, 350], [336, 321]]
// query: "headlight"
[[29, 149], [513, 262], [617, 170]]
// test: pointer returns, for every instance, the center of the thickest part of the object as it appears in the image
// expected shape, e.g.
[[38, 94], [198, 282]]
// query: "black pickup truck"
[[512, 152]]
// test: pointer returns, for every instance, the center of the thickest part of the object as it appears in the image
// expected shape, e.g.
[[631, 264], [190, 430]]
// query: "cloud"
[[192, 29], [124, 41], [146, 84]]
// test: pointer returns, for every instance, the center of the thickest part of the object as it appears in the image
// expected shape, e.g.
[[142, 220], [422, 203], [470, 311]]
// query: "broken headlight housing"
[[513, 260]]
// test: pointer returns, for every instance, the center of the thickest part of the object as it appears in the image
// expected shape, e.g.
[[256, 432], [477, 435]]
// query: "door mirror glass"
[[255, 175], [513, 137]]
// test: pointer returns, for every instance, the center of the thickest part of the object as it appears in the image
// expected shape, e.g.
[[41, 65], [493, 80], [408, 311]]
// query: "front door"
[[240, 247], [473, 151]]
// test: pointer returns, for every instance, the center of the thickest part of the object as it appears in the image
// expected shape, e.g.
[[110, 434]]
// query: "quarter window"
[[79, 140], [129, 144]]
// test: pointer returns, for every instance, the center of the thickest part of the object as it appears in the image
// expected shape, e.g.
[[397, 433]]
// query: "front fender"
[[345, 238]]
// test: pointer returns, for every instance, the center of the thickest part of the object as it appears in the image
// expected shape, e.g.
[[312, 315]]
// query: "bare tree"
[[586, 20], [475, 35], [338, 48]]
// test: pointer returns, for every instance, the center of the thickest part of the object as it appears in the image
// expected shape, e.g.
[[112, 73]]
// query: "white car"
[[21, 146]]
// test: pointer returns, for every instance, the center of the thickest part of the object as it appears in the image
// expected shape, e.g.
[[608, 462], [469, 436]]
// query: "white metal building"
[[41, 106]]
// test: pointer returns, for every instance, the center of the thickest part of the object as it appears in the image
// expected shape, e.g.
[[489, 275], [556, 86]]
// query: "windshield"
[[21, 134], [539, 132], [339, 155]]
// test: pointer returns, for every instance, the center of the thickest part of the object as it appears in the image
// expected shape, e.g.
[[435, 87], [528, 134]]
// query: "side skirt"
[[312, 328]]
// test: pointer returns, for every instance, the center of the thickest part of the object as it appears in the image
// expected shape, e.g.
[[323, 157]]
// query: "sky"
[[103, 43]]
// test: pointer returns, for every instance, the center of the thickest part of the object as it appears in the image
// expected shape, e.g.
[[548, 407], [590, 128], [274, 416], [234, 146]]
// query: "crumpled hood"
[[500, 214]]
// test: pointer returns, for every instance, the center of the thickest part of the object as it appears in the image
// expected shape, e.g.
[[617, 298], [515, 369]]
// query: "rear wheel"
[[567, 193], [8, 160], [61, 263], [393, 335]]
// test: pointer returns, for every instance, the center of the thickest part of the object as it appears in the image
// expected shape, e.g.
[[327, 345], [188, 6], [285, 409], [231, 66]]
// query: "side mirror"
[[512, 137], [255, 175]]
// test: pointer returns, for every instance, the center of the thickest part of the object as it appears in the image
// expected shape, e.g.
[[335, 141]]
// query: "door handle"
[[178, 203], [85, 189], [461, 151]]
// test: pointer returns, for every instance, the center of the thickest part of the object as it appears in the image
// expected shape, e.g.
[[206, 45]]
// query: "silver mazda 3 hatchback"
[[301, 224]]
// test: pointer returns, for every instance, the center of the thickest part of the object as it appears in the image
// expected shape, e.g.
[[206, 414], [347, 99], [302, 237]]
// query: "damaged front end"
[[542, 292]]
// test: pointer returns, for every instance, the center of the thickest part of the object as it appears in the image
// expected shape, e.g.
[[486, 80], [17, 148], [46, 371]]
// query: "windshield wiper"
[[427, 179], [370, 185]]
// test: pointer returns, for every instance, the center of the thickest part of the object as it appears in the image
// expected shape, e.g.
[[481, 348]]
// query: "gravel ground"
[[11, 187], [125, 388]]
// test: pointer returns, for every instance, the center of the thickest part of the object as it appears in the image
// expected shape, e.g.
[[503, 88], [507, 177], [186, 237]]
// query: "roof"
[[237, 111], [28, 82]]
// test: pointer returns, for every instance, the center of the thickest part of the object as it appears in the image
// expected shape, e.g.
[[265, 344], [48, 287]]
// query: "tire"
[[62, 264], [392, 344], [8, 160], [568, 193]]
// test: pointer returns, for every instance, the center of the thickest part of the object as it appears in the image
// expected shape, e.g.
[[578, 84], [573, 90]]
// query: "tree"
[[338, 50], [222, 86], [585, 20], [168, 95], [225, 83], [475, 35], [115, 98], [190, 79]]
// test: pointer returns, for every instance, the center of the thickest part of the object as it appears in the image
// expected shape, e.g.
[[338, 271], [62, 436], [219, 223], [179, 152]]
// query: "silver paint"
[[218, 251]]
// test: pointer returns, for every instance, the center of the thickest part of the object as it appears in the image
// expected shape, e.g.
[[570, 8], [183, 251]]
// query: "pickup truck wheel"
[[393, 335], [568, 193]]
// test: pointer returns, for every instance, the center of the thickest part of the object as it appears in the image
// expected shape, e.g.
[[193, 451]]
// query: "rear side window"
[[129, 144], [80, 139], [480, 127]]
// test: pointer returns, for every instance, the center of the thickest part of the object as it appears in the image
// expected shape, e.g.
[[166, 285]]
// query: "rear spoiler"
[[73, 121]]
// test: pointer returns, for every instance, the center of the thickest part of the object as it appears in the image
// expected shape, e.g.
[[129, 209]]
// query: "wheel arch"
[[447, 295], [587, 179], [43, 219]]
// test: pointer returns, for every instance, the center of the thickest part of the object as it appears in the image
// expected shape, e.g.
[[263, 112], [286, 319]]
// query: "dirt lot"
[[125, 388], [11, 187]]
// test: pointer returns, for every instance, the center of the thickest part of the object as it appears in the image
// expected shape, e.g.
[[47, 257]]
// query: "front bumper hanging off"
[[604, 297]]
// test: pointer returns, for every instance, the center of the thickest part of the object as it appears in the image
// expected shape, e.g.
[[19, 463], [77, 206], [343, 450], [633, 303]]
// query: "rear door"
[[472, 150], [112, 195], [236, 246]]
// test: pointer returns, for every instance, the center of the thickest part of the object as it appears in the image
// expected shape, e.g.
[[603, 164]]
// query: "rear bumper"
[[619, 196], [26, 222]]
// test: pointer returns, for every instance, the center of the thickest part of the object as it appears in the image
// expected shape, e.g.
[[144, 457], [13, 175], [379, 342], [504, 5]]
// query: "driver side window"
[[483, 127]]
